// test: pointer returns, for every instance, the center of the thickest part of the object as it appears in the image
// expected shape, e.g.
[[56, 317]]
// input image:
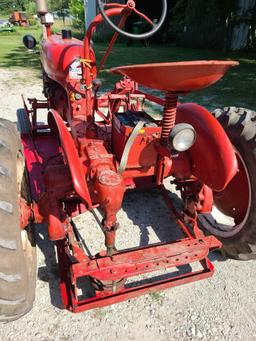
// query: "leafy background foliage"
[[215, 24]]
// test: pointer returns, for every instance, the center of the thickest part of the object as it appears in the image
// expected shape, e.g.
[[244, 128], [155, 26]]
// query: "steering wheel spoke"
[[130, 7], [143, 16], [113, 4]]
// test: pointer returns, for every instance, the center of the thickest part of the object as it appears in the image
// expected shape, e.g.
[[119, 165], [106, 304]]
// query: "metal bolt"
[[78, 96]]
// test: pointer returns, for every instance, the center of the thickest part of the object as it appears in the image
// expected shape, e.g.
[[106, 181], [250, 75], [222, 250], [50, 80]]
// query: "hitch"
[[106, 276]]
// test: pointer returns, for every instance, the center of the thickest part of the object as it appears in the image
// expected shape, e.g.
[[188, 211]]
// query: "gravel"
[[220, 308]]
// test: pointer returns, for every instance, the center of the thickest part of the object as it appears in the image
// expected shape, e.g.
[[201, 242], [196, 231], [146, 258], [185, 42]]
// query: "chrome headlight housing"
[[182, 137]]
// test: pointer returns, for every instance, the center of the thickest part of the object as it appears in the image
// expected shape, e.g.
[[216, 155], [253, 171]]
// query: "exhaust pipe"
[[41, 6], [45, 17]]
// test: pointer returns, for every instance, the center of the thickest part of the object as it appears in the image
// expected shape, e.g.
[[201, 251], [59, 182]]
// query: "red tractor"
[[96, 147], [19, 19]]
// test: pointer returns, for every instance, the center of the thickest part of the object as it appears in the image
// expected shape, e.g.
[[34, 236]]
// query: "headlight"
[[182, 137]]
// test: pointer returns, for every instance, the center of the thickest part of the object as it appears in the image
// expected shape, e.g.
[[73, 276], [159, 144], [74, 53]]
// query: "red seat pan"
[[177, 76]]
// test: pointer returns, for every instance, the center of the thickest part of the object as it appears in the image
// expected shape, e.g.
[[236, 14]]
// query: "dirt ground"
[[220, 308]]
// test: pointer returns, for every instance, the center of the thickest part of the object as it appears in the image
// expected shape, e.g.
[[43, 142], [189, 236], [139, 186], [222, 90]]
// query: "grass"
[[12, 52], [236, 88], [158, 297]]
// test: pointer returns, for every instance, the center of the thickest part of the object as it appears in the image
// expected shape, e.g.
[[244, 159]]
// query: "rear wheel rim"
[[225, 230]]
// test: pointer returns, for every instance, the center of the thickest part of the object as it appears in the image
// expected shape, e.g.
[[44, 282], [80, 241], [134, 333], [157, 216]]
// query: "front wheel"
[[233, 219]]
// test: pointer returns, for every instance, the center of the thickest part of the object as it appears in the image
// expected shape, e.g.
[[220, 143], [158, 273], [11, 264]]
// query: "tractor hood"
[[58, 54]]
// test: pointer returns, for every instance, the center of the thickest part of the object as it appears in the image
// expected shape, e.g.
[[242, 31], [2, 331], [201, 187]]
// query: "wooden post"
[[90, 12], [242, 24]]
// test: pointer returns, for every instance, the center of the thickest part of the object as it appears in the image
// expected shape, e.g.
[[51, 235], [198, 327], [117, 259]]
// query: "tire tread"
[[16, 288], [240, 125]]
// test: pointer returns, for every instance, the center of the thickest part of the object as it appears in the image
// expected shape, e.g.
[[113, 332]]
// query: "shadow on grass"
[[21, 57], [235, 89]]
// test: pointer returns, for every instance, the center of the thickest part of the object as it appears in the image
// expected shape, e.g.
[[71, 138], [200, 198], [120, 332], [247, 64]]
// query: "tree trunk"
[[242, 24], [205, 24]]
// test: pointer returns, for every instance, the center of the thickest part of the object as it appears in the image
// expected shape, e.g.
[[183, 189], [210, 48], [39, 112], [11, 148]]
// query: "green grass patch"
[[236, 88], [12, 52], [158, 297]]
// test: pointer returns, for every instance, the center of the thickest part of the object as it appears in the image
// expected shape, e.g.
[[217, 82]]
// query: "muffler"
[[41, 6]]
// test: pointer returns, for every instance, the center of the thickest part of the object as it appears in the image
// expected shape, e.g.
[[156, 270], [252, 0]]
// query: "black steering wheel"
[[130, 6]]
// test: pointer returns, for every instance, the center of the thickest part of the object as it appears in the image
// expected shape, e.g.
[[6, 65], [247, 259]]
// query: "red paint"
[[169, 116], [109, 191], [72, 157], [126, 264], [177, 77], [87, 76], [212, 156], [234, 200], [58, 184], [143, 154], [74, 167], [57, 55]]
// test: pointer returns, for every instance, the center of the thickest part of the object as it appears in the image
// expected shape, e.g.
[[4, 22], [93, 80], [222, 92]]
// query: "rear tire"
[[240, 126], [17, 248]]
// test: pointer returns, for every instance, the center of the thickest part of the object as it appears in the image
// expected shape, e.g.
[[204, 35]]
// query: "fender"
[[212, 156], [71, 155]]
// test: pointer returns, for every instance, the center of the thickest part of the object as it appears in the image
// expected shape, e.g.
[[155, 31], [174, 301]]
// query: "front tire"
[[238, 200]]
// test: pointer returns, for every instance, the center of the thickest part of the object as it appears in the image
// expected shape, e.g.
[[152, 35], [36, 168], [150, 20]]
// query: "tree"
[[76, 8], [206, 23], [175, 21], [243, 25], [221, 24], [60, 6], [56, 5], [7, 6]]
